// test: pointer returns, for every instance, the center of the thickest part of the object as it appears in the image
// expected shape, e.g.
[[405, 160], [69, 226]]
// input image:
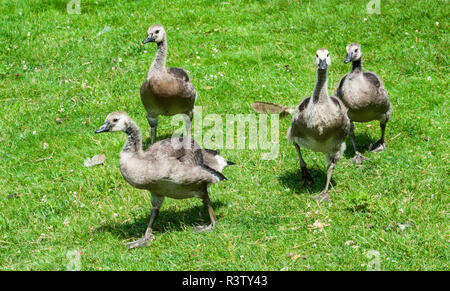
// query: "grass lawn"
[[81, 67]]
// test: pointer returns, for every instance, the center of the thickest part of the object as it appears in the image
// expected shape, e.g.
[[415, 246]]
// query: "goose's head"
[[323, 59], [115, 121], [155, 33], [353, 53]]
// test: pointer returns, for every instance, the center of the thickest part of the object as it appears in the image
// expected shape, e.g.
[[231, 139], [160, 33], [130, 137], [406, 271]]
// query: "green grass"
[[56, 205]]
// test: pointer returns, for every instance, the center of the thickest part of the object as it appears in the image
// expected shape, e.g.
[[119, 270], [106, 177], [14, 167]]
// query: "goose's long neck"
[[356, 67], [320, 93], [134, 139], [159, 63]]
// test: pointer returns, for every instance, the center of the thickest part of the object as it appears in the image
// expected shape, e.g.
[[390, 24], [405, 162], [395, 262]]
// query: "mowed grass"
[[53, 64]]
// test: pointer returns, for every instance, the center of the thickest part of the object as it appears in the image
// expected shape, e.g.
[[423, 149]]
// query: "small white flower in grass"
[[355, 247], [45, 146], [241, 256], [44, 199], [115, 214], [34, 132], [119, 60], [429, 78], [24, 67], [178, 28], [28, 34], [198, 57], [145, 52], [406, 33], [365, 19], [264, 86], [196, 52], [20, 13], [436, 23], [225, 63], [66, 221]]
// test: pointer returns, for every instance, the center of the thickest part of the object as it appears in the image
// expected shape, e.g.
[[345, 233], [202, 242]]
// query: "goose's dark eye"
[[317, 55], [157, 31], [115, 120], [356, 50], [328, 55]]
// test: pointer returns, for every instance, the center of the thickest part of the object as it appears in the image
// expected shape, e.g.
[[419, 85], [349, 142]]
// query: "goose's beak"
[[348, 58], [103, 128], [149, 38], [323, 64]]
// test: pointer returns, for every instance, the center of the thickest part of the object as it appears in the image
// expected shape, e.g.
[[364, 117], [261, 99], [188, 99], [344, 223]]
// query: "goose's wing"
[[193, 156], [373, 79], [339, 91], [179, 73]]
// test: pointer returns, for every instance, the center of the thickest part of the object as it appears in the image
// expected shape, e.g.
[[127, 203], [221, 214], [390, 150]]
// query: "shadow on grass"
[[167, 220], [293, 180], [362, 140]]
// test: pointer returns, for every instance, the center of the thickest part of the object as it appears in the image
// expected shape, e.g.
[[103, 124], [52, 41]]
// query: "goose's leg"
[[212, 216], [380, 145], [188, 122], [306, 177], [157, 201], [358, 158], [153, 122], [324, 196]]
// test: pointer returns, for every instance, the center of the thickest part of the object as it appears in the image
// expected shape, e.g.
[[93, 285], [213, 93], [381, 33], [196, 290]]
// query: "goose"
[[176, 168], [320, 123], [366, 99], [166, 91]]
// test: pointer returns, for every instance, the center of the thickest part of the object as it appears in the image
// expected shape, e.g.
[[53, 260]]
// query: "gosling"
[[176, 168], [364, 95], [166, 91], [320, 123]]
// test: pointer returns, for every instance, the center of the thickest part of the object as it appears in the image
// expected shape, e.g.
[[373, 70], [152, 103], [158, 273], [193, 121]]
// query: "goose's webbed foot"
[[379, 146], [359, 158], [322, 196], [142, 242], [307, 178], [206, 227]]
